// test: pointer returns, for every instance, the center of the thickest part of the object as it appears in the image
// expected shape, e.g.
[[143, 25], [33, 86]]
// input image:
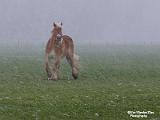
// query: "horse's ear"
[[54, 24], [61, 23]]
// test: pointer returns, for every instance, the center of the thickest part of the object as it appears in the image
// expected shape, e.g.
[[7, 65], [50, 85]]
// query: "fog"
[[102, 21]]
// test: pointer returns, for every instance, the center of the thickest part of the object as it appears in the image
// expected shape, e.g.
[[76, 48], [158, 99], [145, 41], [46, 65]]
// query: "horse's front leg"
[[55, 70]]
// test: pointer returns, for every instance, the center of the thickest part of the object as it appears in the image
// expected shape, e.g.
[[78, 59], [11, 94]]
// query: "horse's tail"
[[76, 61], [75, 68]]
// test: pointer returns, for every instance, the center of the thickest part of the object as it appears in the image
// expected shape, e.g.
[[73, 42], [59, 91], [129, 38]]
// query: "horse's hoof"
[[75, 77]]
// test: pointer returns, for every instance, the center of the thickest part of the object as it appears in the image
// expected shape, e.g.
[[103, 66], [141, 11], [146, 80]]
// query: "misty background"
[[100, 21]]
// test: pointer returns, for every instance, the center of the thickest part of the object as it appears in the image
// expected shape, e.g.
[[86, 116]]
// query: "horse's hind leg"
[[47, 66], [75, 70]]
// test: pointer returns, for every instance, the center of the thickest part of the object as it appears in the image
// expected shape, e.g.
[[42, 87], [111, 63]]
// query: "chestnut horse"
[[58, 47]]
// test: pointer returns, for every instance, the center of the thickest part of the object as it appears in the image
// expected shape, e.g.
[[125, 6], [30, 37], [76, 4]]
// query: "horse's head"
[[57, 33], [57, 29]]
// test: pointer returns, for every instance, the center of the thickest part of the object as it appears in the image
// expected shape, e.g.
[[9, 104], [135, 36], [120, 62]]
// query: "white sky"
[[85, 20]]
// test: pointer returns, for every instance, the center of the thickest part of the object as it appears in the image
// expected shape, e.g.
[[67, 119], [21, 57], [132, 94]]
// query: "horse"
[[58, 47]]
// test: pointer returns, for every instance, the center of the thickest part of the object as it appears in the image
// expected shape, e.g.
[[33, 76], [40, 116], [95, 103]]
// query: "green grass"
[[113, 79]]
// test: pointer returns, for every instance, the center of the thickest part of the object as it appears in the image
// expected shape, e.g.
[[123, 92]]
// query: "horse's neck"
[[52, 41], [53, 37]]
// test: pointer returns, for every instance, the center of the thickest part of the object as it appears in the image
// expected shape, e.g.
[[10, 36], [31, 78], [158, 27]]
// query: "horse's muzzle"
[[59, 36], [58, 40]]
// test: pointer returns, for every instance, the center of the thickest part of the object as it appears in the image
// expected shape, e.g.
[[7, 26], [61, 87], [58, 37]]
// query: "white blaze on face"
[[59, 24]]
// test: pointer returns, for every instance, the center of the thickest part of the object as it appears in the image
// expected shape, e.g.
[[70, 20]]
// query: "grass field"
[[113, 79]]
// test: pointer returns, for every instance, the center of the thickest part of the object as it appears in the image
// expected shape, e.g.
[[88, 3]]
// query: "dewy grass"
[[113, 80]]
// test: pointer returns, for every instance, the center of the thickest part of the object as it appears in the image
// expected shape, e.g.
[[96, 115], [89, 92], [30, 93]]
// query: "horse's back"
[[67, 38]]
